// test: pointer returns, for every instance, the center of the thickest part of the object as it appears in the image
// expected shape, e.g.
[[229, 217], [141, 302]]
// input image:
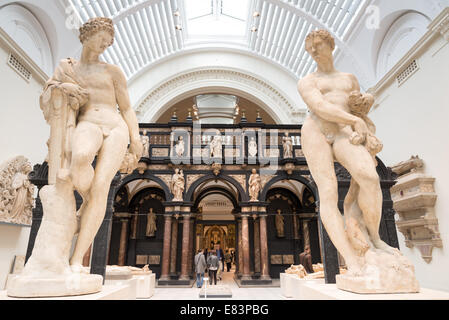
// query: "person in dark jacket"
[[200, 268], [212, 265]]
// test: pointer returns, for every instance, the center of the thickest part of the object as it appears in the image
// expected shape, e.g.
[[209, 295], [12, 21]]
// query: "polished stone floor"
[[227, 281]]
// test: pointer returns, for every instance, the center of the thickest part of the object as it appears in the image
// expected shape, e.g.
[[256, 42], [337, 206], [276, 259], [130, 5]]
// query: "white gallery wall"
[[412, 119]]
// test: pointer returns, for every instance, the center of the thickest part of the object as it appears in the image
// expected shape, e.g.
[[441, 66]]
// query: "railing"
[[191, 143]]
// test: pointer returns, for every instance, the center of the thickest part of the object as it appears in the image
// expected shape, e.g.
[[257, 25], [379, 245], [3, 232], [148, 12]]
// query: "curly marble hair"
[[324, 35], [95, 25]]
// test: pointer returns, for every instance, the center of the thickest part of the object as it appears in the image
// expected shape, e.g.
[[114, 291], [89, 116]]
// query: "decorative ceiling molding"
[[164, 94]]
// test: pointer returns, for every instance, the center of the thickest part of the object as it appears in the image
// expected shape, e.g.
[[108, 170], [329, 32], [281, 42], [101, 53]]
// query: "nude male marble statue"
[[331, 132], [87, 105]]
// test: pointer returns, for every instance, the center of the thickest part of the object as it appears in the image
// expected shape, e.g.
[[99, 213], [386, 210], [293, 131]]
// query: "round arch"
[[189, 194], [216, 190], [146, 176]]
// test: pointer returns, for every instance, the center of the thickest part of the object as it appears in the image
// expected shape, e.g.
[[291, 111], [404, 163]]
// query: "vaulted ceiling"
[[150, 30]]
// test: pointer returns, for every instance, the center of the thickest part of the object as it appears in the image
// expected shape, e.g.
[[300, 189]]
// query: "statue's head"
[[320, 44], [254, 171], [97, 34]]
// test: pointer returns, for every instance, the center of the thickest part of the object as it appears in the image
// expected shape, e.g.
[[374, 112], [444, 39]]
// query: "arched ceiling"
[[150, 30]]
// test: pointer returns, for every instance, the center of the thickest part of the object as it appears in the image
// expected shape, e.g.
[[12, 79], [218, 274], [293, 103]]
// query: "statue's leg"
[[87, 140], [357, 160], [108, 163], [320, 161]]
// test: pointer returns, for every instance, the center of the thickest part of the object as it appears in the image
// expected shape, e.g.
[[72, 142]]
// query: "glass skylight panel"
[[235, 8], [199, 8]]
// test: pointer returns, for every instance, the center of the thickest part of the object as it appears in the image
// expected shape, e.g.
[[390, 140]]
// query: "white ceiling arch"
[[150, 30], [213, 80]]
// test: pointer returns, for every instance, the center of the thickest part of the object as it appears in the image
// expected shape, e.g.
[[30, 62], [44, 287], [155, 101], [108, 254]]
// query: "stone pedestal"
[[286, 282], [298, 284], [320, 291], [146, 284], [54, 286]]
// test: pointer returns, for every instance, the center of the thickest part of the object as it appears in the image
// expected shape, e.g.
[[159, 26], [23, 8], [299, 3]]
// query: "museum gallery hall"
[[224, 149]]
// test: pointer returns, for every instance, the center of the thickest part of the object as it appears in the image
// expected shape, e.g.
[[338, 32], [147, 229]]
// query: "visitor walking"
[[228, 260], [212, 265], [200, 268]]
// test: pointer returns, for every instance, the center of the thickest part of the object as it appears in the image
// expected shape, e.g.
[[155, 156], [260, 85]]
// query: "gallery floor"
[[238, 293]]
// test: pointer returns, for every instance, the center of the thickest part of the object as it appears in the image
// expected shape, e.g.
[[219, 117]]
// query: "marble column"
[[264, 273], [166, 249], [305, 229], [190, 258], [295, 225], [174, 246], [185, 248], [245, 248], [256, 245], [123, 243], [240, 249]]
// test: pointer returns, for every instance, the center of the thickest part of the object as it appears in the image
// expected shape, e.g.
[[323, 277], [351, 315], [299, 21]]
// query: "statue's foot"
[[355, 267], [379, 244], [79, 268]]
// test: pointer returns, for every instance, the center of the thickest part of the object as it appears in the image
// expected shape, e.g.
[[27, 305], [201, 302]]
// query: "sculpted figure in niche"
[[177, 185], [287, 146], [216, 146], [180, 147], [332, 132], [151, 224], [146, 144], [279, 219], [255, 184], [87, 105], [252, 147]]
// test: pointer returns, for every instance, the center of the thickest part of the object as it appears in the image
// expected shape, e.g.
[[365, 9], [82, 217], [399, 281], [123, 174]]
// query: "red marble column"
[[245, 246], [123, 242], [166, 249], [185, 248], [264, 273], [190, 259], [86, 259], [256, 245], [174, 246], [240, 249]]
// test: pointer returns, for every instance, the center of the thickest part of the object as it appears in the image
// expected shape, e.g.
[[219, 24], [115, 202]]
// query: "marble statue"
[[279, 219], [180, 147], [216, 146], [287, 146], [151, 224], [177, 185], [16, 191], [255, 184], [332, 132], [146, 144], [252, 147], [87, 105]]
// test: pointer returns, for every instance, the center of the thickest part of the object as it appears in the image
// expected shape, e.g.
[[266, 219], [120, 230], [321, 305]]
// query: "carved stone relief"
[[16, 191]]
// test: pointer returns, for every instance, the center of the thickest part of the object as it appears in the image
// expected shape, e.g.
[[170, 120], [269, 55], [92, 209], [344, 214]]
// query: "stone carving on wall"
[[331, 132], [240, 178], [252, 147], [255, 186], [279, 221], [177, 185], [414, 199], [79, 103], [159, 152], [16, 191], [287, 144], [146, 144], [151, 224], [191, 178]]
